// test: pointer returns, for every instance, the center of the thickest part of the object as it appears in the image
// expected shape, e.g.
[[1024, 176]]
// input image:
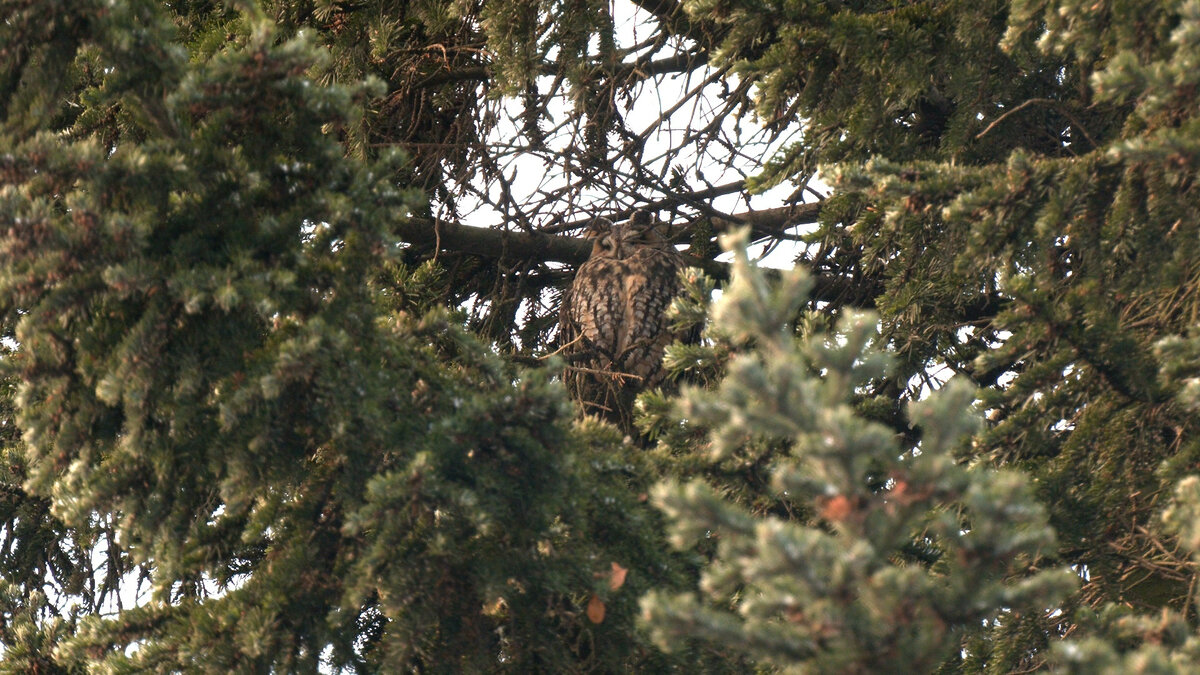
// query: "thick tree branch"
[[495, 243], [772, 222]]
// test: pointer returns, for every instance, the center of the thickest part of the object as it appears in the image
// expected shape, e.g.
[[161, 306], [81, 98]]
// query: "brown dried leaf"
[[595, 609], [617, 579], [836, 509]]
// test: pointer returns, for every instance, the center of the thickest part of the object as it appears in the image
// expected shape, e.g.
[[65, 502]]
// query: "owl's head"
[[620, 240]]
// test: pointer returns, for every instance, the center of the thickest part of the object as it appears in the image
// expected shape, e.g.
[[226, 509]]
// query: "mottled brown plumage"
[[613, 318]]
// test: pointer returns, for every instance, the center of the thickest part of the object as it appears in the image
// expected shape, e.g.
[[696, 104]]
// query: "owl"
[[613, 322]]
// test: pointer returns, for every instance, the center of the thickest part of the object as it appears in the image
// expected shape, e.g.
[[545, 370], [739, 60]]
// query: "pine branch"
[[495, 243]]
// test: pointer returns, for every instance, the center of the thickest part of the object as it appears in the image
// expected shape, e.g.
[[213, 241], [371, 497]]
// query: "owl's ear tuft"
[[598, 227], [646, 228]]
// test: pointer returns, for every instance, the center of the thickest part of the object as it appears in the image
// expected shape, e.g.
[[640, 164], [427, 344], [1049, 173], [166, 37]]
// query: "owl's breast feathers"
[[618, 309], [592, 312], [649, 288]]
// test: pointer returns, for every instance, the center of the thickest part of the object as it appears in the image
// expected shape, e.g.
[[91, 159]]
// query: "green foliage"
[[1119, 640], [214, 390], [844, 591], [1124, 642], [1019, 180]]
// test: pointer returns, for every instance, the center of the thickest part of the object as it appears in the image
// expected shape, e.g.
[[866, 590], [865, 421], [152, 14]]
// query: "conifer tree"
[[892, 555], [254, 366], [222, 405]]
